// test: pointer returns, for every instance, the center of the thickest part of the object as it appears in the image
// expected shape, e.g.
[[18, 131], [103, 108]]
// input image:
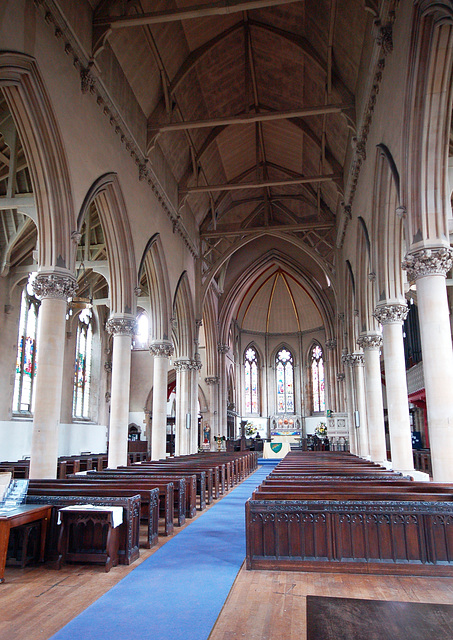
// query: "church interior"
[[226, 270]]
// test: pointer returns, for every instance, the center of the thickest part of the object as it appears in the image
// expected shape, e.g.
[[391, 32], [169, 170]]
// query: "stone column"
[[213, 384], [353, 445], [122, 328], [341, 380], [223, 349], [161, 350], [391, 317], [196, 366], [371, 344], [54, 290], [183, 368], [357, 363], [428, 269]]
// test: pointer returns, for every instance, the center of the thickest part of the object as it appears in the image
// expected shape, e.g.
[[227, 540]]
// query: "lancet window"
[[251, 380], [82, 377], [285, 381], [140, 340], [23, 397], [317, 378]]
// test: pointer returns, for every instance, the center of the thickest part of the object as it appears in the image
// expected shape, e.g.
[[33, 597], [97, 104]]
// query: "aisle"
[[178, 592]]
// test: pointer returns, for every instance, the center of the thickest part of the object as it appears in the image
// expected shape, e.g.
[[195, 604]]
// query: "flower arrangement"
[[321, 430], [250, 429]]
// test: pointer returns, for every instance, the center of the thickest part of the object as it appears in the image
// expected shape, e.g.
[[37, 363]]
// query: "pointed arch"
[[315, 360], [153, 265], [427, 131], [283, 361], [366, 278], [210, 333], [388, 238], [184, 319], [31, 109], [108, 198]]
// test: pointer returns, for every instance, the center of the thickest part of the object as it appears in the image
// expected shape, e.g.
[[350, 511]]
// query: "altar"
[[276, 449]]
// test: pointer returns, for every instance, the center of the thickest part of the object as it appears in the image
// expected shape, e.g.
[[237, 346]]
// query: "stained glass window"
[[285, 381], [23, 398], [317, 378], [82, 377], [251, 380]]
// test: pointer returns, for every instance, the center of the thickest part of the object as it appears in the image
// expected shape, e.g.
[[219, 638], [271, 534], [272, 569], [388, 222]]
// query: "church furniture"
[[89, 534], [129, 530], [327, 519], [17, 517], [150, 499]]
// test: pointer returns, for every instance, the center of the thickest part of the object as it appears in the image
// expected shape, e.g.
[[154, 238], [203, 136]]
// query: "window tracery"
[[285, 381], [82, 377], [23, 397], [251, 380], [317, 378]]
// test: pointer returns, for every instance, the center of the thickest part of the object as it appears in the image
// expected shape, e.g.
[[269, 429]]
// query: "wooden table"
[[16, 517]]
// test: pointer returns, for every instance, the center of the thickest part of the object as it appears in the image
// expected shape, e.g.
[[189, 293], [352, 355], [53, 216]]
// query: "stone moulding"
[[428, 262], [391, 313], [54, 285]]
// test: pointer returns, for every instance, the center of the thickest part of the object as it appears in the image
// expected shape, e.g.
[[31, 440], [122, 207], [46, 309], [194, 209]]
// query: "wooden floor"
[[263, 605]]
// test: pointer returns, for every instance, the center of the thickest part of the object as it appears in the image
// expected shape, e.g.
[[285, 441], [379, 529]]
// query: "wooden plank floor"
[[271, 605]]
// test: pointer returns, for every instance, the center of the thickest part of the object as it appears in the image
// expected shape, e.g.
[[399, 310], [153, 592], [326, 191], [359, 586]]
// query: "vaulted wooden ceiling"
[[249, 102]]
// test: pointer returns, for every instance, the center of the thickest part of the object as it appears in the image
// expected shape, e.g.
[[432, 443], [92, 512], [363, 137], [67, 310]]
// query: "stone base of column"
[[417, 476]]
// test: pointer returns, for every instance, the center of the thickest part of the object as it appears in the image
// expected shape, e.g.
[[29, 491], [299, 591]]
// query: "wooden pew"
[[149, 511]]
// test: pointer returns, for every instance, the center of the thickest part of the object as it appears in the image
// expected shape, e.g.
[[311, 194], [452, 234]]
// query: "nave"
[[37, 602]]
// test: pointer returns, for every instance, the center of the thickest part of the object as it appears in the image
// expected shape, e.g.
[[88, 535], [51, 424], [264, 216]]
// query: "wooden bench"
[[153, 500], [324, 520]]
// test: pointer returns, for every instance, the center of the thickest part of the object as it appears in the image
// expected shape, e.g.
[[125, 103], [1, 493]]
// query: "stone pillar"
[[161, 350], [428, 269], [183, 369], [391, 317], [223, 349], [357, 363], [122, 328], [371, 344], [196, 366], [213, 384], [54, 290], [345, 358]]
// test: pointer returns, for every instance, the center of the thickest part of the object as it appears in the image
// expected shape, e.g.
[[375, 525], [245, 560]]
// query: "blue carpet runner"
[[178, 592]]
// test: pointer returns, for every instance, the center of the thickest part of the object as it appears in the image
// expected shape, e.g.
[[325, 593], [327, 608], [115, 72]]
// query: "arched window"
[[317, 379], [140, 340], [23, 398], [82, 378], [251, 380], [285, 381]]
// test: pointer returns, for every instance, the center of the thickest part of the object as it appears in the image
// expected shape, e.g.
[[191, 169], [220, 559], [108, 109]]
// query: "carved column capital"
[[121, 326], [182, 365], [331, 344], [370, 342], [223, 348], [54, 285], [352, 359], [391, 313], [211, 380], [187, 364], [161, 348], [428, 262]]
